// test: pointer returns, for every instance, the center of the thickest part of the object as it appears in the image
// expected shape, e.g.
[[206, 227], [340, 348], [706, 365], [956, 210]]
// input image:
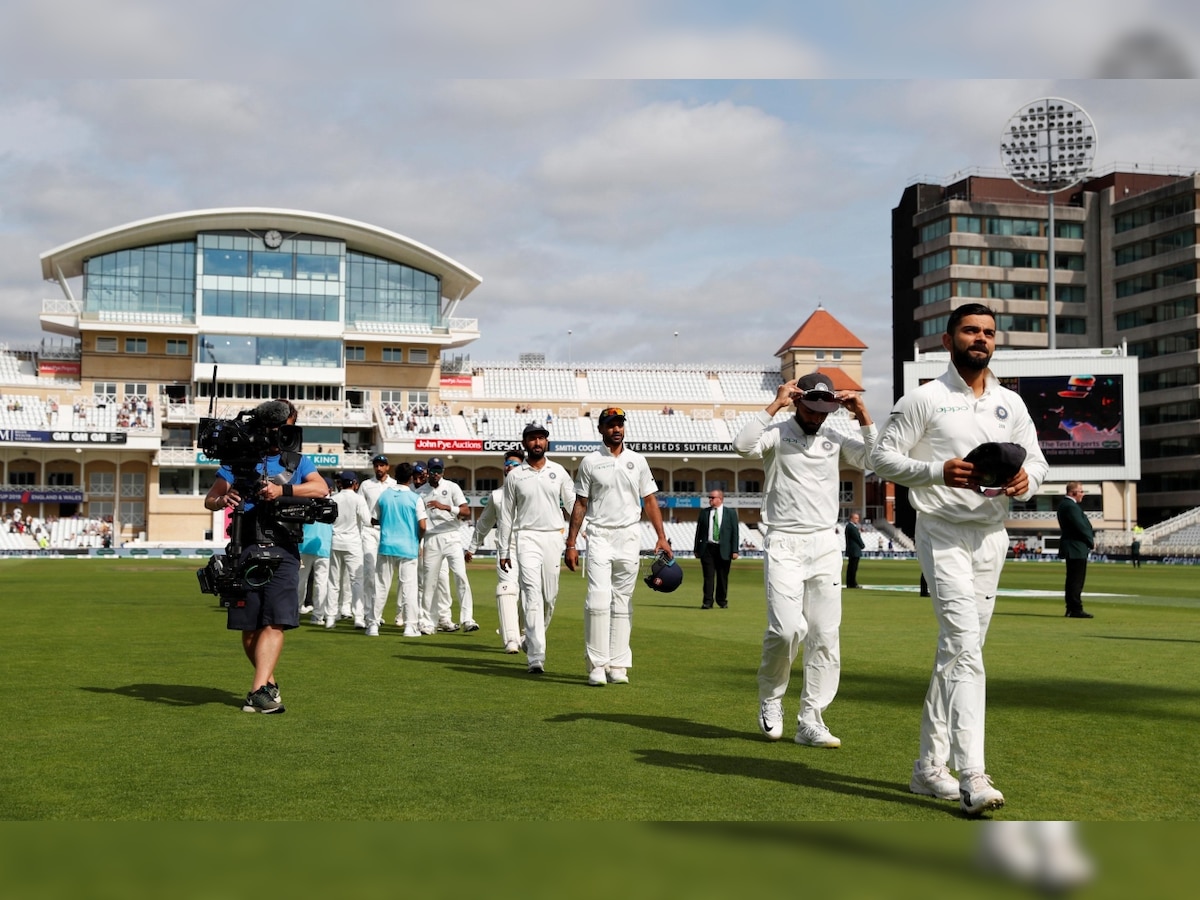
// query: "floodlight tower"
[[1046, 147]]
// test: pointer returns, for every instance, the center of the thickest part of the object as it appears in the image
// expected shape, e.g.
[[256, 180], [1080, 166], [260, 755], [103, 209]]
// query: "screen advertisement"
[[1079, 417]]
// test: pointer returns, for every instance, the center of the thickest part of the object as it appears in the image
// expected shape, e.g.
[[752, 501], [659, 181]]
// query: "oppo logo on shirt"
[[952, 409]]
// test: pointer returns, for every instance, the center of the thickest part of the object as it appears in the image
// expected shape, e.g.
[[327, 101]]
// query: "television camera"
[[243, 444]]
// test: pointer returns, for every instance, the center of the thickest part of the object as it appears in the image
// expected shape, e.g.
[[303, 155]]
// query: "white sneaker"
[[316, 619], [598, 677], [306, 609], [933, 781], [412, 632], [426, 630], [511, 647], [470, 626], [617, 675], [816, 736], [330, 621], [977, 795], [399, 623], [770, 719], [372, 630], [359, 623], [446, 626]]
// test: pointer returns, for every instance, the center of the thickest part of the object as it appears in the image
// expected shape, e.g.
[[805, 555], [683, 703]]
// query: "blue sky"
[[745, 177]]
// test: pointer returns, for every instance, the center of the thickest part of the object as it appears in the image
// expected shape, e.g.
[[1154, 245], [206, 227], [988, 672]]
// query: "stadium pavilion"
[[359, 327]]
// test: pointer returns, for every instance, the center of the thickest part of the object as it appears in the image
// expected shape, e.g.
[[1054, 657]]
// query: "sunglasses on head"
[[612, 411]]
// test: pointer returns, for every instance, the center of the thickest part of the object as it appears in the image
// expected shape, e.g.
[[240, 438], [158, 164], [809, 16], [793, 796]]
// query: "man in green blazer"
[[716, 546], [1074, 544]]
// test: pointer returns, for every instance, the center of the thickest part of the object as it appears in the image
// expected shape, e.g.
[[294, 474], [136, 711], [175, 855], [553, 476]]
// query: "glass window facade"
[[1164, 209], [1017, 227], [1154, 246], [242, 278], [378, 290], [156, 279], [1160, 312], [1152, 280], [249, 350], [935, 261], [935, 230]]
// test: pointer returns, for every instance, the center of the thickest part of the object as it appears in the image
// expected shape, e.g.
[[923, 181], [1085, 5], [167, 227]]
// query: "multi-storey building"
[[359, 327], [1126, 254]]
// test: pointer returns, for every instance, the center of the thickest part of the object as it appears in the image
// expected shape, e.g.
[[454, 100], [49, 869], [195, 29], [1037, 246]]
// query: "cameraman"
[[263, 614]]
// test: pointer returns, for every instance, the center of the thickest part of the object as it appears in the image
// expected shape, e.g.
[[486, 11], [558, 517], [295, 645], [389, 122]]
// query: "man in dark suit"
[[854, 551], [1075, 542], [716, 547]]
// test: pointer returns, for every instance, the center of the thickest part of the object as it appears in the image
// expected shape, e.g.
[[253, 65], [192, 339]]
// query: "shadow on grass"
[[504, 665], [1123, 637], [1059, 694], [874, 842], [172, 694], [795, 774]]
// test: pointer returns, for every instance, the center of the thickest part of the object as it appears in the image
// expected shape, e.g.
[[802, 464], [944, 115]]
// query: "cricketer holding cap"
[[960, 539], [802, 566]]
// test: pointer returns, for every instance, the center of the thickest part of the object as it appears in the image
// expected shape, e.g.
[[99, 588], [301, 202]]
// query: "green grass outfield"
[[123, 692]]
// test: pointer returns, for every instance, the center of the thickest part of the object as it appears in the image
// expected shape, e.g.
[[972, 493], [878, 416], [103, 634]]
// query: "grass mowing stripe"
[[125, 689]]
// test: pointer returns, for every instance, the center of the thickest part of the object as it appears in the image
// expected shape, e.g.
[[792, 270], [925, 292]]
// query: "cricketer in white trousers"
[[963, 590], [612, 568], [346, 580], [436, 549], [408, 604], [804, 608], [370, 560], [539, 556], [318, 568]]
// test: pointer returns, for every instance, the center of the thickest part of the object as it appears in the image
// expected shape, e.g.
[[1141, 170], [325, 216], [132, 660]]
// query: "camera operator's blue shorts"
[[276, 602]]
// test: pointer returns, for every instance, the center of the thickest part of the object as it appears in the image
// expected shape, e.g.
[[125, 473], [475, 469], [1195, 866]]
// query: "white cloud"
[[668, 165], [718, 52]]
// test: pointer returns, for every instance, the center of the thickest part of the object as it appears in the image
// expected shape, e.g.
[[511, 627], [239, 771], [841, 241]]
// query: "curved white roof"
[[68, 259]]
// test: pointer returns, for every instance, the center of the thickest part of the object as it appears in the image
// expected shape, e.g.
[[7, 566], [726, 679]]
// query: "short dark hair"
[[515, 453], [968, 309], [403, 473]]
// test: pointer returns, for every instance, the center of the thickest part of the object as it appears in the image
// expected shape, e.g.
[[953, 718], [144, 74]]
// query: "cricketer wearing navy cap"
[[817, 394], [534, 428]]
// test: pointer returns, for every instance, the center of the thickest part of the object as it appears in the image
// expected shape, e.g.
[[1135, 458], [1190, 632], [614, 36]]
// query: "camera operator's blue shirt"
[[270, 468]]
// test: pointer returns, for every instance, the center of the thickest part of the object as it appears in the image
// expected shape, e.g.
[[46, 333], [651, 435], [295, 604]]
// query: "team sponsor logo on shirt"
[[951, 409]]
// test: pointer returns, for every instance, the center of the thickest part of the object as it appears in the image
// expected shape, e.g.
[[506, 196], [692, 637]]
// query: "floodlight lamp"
[[1050, 145]]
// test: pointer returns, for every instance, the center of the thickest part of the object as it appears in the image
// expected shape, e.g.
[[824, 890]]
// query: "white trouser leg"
[[306, 568], [458, 569], [612, 566], [366, 581], [385, 573], [320, 587], [435, 600], [965, 565], [339, 594], [801, 572], [408, 600], [783, 573], [822, 644], [538, 557], [597, 607]]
